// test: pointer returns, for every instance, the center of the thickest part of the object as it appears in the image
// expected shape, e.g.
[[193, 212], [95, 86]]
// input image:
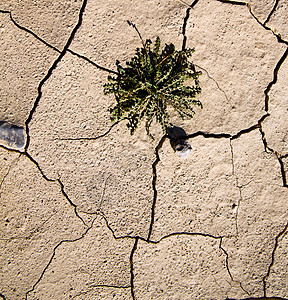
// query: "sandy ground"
[[88, 211]]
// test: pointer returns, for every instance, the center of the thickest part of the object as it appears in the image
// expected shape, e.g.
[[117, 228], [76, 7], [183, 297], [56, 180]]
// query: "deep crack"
[[283, 172], [275, 77], [154, 165], [277, 154], [132, 268], [208, 135], [51, 69], [32, 33], [185, 24], [250, 129], [278, 36], [271, 12], [55, 48], [3, 297], [233, 2]]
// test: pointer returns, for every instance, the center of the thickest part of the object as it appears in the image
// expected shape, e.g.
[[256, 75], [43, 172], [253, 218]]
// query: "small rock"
[[179, 141], [12, 135]]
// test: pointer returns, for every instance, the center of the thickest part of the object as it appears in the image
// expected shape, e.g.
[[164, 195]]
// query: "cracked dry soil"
[[90, 212]]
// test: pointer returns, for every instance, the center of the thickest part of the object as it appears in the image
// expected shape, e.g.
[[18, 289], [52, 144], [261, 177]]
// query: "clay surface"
[[276, 127], [279, 19], [88, 211], [24, 62]]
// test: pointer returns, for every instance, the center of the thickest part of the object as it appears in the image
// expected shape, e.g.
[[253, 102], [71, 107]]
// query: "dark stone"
[[13, 135], [179, 141]]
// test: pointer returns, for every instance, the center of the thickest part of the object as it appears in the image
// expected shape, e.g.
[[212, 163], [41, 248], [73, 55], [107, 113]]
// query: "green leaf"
[[150, 82]]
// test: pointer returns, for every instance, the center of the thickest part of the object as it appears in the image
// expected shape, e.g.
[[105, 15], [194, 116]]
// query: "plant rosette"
[[152, 81]]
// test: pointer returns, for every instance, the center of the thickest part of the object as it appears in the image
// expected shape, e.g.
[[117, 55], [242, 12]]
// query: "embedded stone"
[[12, 135]]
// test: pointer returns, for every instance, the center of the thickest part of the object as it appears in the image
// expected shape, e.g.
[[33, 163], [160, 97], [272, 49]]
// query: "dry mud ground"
[[89, 212]]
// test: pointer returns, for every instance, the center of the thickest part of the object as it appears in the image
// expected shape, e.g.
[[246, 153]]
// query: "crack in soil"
[[278, 36], [111, 286], [56, 49], [271, 12], [100, 213], [250, 129], [237, 185], [207, 135], [52, 256], [275, 77], [277, 154], [186, 18], [154, 165], [149, 241], [55, 180], [92, 62], [132, 268], [89, 138], [228, 269], [15, 161], [183, 233], [273, 258], [217, 84], [26, 154], [3, 297], [32, 33], [233, 2], [283, 172], [51, 69]]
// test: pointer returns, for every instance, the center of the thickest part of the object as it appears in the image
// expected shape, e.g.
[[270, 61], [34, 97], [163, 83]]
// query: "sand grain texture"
[[88, 211]]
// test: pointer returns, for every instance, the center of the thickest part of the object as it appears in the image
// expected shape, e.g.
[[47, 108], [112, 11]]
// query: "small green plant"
[[151, 82]]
